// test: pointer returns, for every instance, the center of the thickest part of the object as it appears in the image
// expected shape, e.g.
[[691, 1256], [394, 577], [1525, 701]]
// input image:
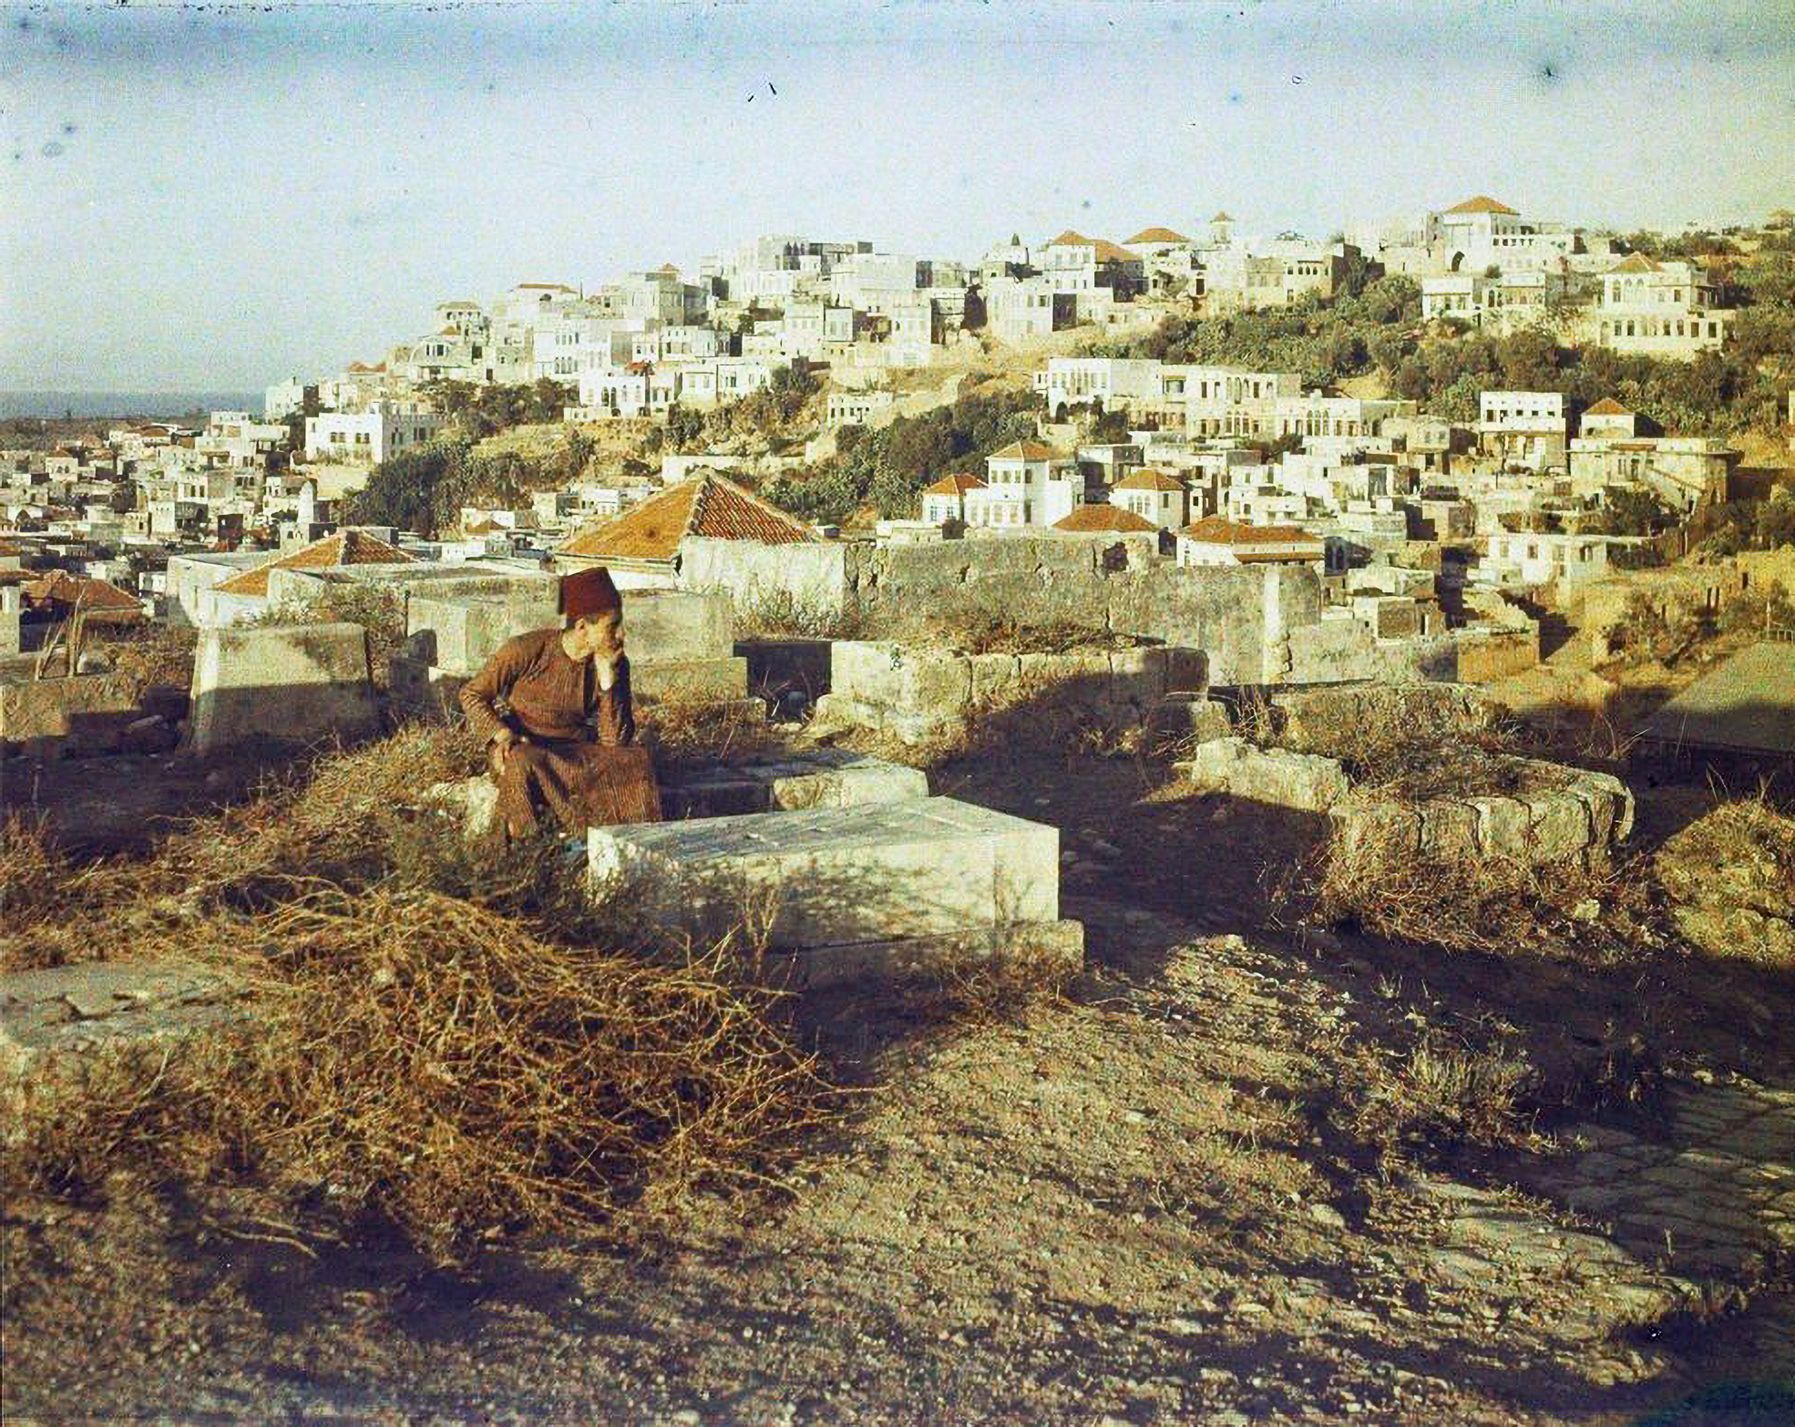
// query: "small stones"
[[1327, 1216]]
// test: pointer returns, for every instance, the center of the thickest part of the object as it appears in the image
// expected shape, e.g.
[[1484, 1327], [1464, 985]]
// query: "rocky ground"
[[1194, 1191]]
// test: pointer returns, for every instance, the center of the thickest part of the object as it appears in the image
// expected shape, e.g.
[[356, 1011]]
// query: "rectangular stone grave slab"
[[839, 876], [67, 1010]]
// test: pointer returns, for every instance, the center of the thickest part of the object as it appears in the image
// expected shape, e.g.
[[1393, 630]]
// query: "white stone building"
[[1215, 541], [1659, 309], [366, 438], [1156, 496], [944, 502], [1027, 483], [1539, 559], [1527, 428]]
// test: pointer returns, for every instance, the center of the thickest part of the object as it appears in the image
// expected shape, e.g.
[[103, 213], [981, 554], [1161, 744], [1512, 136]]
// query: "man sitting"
[[554, 706]]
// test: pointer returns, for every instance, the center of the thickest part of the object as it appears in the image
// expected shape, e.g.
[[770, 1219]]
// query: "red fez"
[[589, 593]]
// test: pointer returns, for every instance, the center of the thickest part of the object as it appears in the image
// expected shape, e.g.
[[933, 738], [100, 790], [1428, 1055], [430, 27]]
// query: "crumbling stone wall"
[[920, 694]]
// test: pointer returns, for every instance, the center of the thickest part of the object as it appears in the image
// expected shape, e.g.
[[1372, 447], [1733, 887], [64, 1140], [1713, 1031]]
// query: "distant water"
[[152, 405]]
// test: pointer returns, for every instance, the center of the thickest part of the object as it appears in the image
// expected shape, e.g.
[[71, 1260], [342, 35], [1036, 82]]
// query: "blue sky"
[[220, 197]]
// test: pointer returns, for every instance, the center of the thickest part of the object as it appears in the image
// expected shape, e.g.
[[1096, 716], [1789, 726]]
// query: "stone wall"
[[680, 641], [1240, 617], [921, 694]]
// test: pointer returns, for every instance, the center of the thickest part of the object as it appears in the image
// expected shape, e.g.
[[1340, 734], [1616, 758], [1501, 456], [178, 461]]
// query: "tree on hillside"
[[422, 489]]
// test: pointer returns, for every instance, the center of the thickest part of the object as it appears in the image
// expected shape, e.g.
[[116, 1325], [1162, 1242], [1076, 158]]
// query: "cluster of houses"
[[1220, 464], [1229, 466], [657, 340]]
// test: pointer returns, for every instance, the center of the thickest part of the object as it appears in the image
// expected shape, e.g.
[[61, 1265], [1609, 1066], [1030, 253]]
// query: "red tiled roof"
[[1107, 252], [1482, 204], [1607, 406], [1150, 478], [1025, 451], [1636, 263], [1103, 517], [1217, 530], [346, 547], [59, 587], [1158, 235], [709, 505], [957, 483]]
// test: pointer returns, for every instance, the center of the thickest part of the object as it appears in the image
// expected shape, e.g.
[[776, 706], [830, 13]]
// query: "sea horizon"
[[86, 405]]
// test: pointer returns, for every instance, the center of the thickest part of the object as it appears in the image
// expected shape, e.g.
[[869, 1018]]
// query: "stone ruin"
[[1549, 813]]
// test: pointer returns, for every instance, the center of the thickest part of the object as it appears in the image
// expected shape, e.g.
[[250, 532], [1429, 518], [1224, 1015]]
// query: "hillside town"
[[1207, 840], [1434, 531]]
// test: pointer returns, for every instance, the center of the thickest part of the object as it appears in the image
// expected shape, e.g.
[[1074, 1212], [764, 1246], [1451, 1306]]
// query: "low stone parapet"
[[1303, 782], [852, 891], [1569, 814]]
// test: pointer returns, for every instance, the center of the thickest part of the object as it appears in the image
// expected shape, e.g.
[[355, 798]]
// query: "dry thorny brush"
[[1376, 882], [448, 1041]]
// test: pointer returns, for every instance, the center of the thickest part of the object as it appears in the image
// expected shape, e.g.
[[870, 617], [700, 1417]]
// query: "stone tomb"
[[286, 683], [679, 642], [819, 778], [873, 890]]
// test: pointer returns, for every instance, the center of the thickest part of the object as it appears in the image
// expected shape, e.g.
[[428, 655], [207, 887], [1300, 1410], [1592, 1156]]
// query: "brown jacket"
[[531, 687]]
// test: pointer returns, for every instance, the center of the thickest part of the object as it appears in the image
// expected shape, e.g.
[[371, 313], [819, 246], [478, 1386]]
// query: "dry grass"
[[686, 729], [1010, 988], [151, 654], [336, 820], [1444, 1093], [1731, 877], [438, 1067], [1375, 882], [436, 1038], [762, 613]]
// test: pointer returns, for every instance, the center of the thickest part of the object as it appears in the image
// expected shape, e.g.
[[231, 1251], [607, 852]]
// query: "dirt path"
[[1156, 1203]]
